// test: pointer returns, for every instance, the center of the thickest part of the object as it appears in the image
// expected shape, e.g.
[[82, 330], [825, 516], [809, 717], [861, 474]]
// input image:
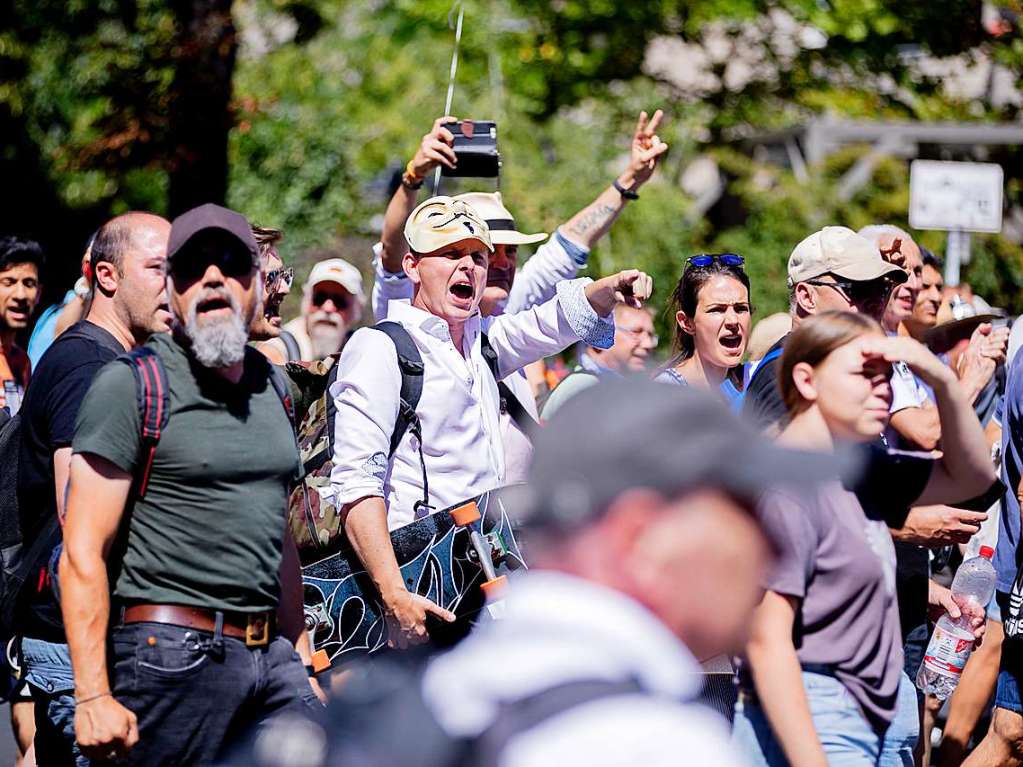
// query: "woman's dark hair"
[[812, 342], [686, 297]]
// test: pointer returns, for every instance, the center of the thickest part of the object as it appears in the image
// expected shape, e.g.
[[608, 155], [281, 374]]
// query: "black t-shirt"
[[48, 414], [762, 401]]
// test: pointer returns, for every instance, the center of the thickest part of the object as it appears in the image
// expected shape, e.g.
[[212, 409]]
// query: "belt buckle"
[[257, 630]]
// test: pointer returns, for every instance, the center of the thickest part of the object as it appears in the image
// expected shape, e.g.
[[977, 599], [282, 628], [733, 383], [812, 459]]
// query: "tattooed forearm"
[[597, 216]]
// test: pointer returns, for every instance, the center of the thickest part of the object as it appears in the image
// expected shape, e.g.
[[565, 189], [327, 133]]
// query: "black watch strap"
[[310, 669], [628, 194]]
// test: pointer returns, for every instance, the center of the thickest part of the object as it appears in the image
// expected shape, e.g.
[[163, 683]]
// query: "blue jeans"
[[843, 730], [47, 668], [194, 692], [903, 733]]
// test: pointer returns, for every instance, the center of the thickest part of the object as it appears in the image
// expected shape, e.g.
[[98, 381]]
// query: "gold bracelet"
[[80, 701]]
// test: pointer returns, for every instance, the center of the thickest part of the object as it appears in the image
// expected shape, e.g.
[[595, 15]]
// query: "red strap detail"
[[42, 580], [144, 483], [159, 398], [146, 399]]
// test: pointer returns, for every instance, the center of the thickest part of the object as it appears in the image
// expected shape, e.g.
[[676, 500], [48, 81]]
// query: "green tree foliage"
[[330, 98]]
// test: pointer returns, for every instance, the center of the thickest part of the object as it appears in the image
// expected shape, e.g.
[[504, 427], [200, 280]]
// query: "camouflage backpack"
[[314, 519]]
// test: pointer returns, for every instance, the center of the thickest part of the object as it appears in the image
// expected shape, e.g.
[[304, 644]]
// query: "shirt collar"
[[401, 310], [590, 365]]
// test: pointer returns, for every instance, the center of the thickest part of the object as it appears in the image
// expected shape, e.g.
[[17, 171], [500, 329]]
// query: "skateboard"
[[453, 557]]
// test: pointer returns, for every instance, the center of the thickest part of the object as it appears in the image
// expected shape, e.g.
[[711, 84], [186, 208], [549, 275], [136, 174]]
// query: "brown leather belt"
[[255, 628]]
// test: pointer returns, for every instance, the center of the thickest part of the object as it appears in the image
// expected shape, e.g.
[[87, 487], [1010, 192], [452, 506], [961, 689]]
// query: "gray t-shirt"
[[841, 565]]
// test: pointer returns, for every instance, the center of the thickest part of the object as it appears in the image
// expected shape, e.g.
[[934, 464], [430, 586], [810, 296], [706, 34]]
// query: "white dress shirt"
[[459, 408], [556, 629]]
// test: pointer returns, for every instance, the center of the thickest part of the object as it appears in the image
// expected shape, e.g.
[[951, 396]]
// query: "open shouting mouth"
[[732, 342], [463, 291]]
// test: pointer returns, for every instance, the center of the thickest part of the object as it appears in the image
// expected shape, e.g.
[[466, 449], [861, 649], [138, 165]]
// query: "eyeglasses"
[[706, 259], [280, 279], [640, 332], [340, 300], [190, 266], [858, 293]]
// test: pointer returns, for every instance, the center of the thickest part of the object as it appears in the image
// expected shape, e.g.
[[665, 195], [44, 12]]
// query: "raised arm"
[[964, 469], [591, 223], [435, 149], [580, 312]]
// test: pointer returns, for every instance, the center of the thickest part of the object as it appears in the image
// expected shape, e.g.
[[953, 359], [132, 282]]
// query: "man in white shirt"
[[461, 449], [646, 555]]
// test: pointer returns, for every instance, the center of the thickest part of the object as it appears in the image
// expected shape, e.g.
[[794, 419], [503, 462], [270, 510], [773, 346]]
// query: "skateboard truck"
[[484, 549]]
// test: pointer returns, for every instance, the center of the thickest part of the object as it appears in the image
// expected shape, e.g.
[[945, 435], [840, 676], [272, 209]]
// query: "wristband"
[[310, 669], [409, 179], [628, 194], [80, 701]]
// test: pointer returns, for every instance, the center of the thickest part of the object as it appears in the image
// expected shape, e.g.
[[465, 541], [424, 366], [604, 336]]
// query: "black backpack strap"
[[152, 395], [410, 363], [510, 404], [518, 716], [290, 346]]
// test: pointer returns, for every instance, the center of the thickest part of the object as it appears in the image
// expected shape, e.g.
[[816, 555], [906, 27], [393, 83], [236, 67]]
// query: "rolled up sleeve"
[[366, 395], [387, 286], [522, 338]]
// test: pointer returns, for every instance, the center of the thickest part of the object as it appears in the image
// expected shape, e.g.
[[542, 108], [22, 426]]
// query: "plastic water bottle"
[[952, 640]]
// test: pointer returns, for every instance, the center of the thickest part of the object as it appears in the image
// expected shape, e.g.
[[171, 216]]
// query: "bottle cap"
[[987, 552]]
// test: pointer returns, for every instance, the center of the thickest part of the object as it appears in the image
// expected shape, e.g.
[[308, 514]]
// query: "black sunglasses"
[[706, 259], [191, 265], [858, 293], [340, 300]]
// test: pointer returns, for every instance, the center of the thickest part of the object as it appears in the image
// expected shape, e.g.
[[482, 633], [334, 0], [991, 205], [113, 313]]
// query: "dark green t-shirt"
[[210, 529]]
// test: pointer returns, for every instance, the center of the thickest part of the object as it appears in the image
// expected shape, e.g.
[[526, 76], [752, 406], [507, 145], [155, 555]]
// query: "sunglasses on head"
[[280, 279], [340, 300], [706, 259], [232, 261]]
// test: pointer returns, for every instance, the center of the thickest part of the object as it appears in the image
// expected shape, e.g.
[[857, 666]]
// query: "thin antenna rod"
[[451, 77]]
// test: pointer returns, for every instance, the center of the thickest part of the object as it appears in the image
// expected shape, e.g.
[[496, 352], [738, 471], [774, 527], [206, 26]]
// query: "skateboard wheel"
[[494, 589], [320, 661], [466, 514]]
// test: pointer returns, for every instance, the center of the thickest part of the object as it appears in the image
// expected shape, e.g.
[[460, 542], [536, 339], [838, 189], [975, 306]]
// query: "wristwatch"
[[628, 194]]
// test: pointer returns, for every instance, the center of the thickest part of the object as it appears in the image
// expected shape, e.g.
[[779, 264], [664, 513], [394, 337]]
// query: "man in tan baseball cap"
[[833, 269]]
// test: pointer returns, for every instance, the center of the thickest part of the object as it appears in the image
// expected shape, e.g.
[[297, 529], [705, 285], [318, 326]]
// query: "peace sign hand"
[[647, 147]]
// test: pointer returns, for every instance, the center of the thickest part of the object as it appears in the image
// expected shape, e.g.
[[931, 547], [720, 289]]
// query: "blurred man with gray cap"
[[646, 557], [198, 514], [382, 480], [332, 304], [832, 269]]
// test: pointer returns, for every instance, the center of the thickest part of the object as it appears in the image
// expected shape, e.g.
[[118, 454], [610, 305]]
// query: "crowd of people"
[[792, 494]]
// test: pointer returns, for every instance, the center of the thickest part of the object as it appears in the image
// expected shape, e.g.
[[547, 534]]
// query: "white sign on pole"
[[955, 195]]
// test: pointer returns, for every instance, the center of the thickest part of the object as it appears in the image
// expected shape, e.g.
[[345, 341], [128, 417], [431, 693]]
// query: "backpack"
[[313, 517]]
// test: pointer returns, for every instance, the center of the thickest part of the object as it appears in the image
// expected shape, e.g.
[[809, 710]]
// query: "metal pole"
[[953, 257]]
